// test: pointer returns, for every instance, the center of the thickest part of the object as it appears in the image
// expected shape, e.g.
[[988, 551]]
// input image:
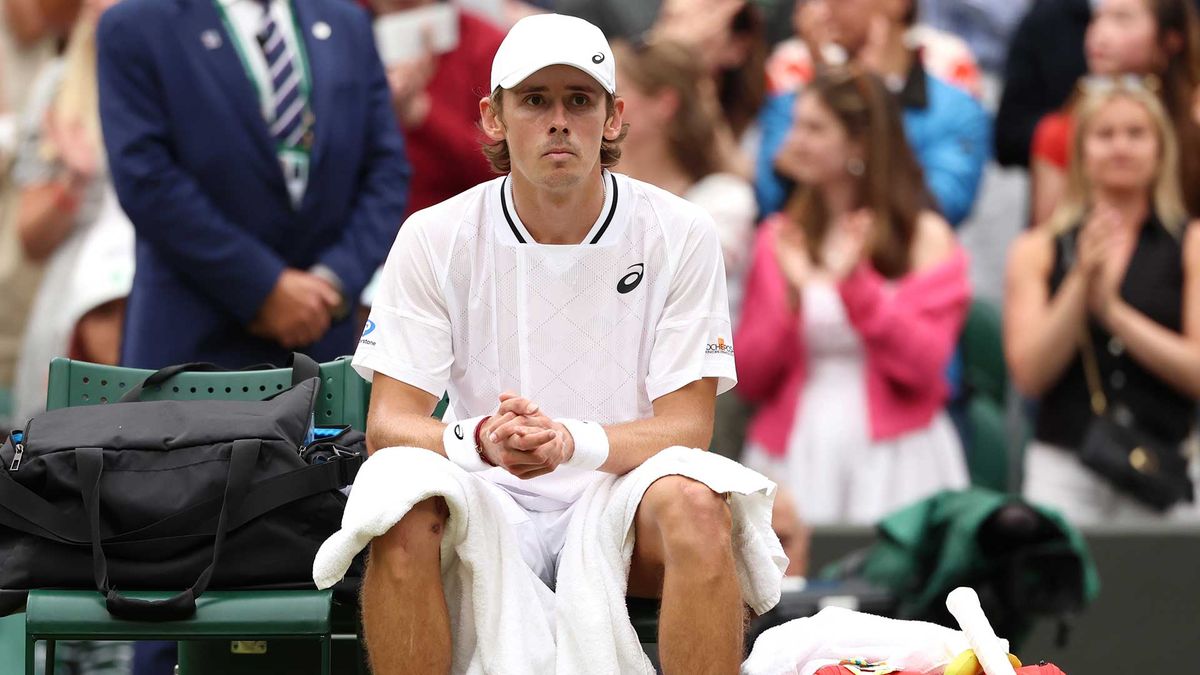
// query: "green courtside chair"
[[252, 618], [982, 345], [985, 379]]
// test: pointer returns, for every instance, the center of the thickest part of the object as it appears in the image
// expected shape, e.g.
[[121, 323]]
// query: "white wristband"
[[591, 444], [459, 442]]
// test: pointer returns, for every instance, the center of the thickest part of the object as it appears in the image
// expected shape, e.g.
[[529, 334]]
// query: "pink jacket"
[[909, 331]]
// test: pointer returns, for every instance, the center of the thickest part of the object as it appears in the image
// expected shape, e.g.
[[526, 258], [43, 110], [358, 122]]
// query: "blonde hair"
[[1166, 195], [78, 100]]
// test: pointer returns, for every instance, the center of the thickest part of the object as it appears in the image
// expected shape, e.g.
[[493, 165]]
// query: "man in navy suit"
[[253, 145]]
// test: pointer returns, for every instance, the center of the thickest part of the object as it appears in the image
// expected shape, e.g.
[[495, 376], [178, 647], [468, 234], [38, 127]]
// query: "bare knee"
[[413, 545], [693, 520]]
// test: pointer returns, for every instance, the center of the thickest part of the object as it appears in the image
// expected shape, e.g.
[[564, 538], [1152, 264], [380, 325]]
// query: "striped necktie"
[[291, 119]]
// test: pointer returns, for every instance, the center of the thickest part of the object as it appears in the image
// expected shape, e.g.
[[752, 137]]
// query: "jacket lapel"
[[318, 36], [209, 45]]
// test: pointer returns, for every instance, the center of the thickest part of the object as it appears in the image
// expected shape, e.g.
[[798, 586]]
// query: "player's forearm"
[[404, 430], [632, 443]]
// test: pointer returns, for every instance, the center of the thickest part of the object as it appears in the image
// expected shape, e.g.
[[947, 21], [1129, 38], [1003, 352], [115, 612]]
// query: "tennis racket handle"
[[992, 653]]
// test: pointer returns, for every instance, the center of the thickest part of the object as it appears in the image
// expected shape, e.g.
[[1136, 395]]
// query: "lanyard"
[[259, 87]]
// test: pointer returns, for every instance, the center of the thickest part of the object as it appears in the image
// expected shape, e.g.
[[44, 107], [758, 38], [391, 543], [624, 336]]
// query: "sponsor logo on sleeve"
[[370, 328], [719, 347]]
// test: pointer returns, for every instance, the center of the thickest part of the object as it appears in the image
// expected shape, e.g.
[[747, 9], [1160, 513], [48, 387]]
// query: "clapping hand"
[[846, 243], [1102, 249], [792, 256]]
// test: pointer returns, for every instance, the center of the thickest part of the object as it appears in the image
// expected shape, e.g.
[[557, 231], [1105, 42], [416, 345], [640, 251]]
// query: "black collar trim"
[[504, 205], [612, 211]]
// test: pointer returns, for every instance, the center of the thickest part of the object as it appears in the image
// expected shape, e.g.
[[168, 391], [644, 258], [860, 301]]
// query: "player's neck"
[[559, 216]]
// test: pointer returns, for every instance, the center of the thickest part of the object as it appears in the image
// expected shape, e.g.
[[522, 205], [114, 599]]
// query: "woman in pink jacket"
[[855, 298]]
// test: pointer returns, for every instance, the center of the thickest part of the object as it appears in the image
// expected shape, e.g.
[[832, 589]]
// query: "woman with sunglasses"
[[1155, 42], [855, 298], [1102, 314]]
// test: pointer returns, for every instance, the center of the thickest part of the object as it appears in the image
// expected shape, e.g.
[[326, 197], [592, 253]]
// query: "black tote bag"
[[170, 495]]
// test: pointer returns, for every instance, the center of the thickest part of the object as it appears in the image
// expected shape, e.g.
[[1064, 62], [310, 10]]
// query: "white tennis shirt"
[[469, 303]]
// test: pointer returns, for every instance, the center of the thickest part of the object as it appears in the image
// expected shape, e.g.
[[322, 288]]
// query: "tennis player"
[[578, 319]]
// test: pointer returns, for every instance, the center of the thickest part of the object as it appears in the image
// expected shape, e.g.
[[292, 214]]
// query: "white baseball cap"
[[544, 40]]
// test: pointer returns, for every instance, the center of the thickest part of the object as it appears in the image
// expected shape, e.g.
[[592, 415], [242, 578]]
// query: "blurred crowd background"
[[957, 233]]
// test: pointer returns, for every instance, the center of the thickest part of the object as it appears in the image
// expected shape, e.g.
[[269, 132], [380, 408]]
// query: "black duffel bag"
[[171, 495]]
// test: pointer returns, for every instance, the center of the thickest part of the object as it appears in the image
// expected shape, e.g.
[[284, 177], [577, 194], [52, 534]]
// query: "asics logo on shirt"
[[631, 279]]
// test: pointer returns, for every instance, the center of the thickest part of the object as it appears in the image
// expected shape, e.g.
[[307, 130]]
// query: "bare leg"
[[405, 619], [683, 551]]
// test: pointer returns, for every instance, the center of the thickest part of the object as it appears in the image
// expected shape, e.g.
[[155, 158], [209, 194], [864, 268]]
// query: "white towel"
[[804, 646], [490, 590], [522, 622], [594, 632]]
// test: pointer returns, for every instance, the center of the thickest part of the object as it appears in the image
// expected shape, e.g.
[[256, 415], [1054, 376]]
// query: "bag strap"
[[24, 510], [303, 368], [1087, 350], [90, 464], [1091, 371]]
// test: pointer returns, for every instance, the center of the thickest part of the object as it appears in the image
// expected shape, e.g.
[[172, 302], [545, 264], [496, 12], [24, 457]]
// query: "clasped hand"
[[522, 440]]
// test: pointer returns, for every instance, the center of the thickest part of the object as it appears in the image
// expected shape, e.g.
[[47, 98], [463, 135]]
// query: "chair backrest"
[[342, 400], [982, 346]]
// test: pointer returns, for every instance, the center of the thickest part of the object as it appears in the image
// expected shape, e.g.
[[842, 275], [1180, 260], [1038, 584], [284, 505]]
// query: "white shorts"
[[540, 534]]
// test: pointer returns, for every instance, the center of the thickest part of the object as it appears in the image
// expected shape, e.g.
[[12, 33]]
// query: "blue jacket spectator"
[[948, 130]]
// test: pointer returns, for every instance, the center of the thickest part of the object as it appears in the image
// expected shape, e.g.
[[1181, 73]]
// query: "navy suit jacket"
[[196, 171]]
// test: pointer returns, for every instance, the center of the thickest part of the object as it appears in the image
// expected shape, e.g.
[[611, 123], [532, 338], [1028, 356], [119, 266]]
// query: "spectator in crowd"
[[853, 304], [260, 244], [618, 19], [1117, 263], [791, 65], [947, 128], [1045, 58], [1158, 38], [673, 119], [986, 25], [29, 32], [730, 37], [68, 217], [436, 99]]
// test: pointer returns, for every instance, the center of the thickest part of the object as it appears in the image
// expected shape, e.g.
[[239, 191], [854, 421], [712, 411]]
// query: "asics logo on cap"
[[598, 58]]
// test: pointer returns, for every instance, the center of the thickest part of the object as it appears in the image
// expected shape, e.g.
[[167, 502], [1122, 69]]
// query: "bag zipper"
[[16, 462], [318, 440]]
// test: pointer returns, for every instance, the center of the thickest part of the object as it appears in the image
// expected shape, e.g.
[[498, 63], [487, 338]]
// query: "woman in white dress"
[[854, 301]]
